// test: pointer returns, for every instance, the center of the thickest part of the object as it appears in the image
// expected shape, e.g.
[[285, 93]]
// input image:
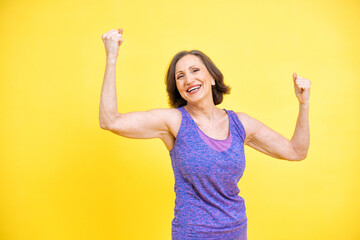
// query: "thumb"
[[294, 76]]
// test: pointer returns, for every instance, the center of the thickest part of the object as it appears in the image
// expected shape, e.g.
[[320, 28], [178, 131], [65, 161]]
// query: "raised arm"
[[157, 123], [108, 103], [266, 140]]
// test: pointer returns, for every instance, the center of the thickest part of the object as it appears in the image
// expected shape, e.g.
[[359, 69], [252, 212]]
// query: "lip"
[[192, 87]]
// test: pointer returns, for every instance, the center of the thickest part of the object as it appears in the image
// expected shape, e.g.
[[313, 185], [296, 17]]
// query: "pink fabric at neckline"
[[218, 145]]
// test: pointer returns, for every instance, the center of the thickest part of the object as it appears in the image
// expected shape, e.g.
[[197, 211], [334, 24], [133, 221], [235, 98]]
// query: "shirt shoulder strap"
[[236, 124]]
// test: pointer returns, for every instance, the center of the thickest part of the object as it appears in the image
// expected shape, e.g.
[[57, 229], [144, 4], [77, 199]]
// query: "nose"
[[189, 79]]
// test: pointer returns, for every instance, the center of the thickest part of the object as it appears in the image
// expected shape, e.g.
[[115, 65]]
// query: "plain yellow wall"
[[63, 177]]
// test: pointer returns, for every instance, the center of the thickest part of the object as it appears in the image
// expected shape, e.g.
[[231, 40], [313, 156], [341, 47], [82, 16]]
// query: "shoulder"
[[175, 118], [249, 123], [172, 118], [170, 112], [254, 128], [243, 117], [167, 115]]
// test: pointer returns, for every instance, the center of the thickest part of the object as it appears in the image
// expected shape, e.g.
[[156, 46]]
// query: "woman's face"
[[193, 80]]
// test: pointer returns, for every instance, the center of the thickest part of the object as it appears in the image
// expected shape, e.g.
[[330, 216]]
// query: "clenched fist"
[[302, 89], [112, 40]]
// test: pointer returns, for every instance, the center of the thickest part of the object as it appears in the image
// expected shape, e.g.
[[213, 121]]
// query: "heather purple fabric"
[[207, 204], [218, 145]]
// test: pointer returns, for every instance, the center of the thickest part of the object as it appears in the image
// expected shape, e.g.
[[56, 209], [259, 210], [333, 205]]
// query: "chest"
[[216, 130], [195, 159]]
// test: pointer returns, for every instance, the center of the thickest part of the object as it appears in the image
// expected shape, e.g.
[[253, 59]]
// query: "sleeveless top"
[[207, 171]]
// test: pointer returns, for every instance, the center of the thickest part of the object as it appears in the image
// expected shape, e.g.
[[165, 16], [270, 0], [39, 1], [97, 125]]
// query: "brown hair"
[[175, 99]]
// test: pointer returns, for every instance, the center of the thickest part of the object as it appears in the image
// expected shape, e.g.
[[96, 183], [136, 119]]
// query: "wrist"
[[304, 105], [111, 59]]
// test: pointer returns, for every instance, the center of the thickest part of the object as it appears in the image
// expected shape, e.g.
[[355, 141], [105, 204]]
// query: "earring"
[[214, 83]]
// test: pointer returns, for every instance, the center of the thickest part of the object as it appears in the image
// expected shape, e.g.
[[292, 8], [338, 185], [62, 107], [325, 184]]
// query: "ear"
[[213, 82]]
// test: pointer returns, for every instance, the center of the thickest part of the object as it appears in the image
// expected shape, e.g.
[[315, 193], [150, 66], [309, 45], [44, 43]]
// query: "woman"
[[206, 143]]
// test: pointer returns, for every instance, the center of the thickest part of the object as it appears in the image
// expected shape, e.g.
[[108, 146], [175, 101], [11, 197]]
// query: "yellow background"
[[63, 177]]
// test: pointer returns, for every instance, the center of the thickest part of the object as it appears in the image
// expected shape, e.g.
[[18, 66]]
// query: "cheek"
[[181, 90], [179, 86]]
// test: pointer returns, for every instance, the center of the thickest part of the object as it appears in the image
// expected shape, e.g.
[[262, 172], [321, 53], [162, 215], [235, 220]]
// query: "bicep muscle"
[[264, 139], [147, 124]]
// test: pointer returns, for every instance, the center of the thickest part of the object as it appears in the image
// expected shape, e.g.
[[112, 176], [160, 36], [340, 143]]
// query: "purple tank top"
[[207, 171]]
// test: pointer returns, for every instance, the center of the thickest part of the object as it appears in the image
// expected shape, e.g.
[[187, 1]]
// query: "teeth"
[[193, 89]]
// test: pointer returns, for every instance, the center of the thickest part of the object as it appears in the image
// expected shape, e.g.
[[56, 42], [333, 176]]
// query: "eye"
[[179, 76], [195, 70]]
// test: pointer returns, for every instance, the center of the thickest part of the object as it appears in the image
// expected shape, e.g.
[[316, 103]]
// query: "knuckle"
[[114, 38]]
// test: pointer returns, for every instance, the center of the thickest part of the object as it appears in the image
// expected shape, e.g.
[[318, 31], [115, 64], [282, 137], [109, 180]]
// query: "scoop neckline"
[[198, 128]]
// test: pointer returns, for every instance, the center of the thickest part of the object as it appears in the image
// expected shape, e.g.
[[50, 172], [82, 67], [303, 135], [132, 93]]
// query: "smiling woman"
[[219, 88], [205, 143]]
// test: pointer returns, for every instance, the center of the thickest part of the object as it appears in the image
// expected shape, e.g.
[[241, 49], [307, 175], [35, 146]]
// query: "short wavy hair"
[[175, 99]]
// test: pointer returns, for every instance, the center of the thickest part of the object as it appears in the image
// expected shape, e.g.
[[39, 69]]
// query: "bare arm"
[[301, 138], [266, 140], [157, 123], [149, 124], [108, 103]]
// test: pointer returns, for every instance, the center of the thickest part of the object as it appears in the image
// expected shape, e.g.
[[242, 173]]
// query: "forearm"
[[301, 138], [108, 101]]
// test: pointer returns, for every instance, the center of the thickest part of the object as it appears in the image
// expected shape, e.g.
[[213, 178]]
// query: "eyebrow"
[[189, 68]]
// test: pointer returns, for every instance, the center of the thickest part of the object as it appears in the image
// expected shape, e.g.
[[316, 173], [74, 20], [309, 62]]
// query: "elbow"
[[104, 125], [299, 153], [106, 121], [299, 157]]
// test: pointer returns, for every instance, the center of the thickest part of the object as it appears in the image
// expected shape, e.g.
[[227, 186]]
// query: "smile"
[[192, 89]]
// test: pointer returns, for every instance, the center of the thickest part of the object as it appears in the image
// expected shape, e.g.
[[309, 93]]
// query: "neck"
[[203, 111]]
